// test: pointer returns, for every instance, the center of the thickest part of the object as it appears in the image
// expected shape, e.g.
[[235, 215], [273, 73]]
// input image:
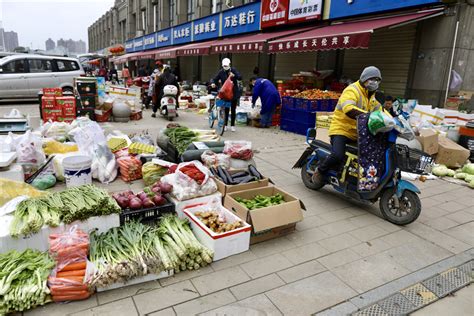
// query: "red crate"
[[136, 116], [103, 116]]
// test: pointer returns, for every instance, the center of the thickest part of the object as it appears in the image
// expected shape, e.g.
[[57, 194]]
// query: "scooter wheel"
[[308, 179], [408, 210]]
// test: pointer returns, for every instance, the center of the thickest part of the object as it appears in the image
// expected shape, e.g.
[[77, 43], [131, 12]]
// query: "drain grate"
[[419, 295], [374, 310], [468, 268], [456, 277], [397, 304], [439, 285]]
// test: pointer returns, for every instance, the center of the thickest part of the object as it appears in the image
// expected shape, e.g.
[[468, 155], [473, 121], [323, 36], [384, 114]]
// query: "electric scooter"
[[168, 102], [398, 199]]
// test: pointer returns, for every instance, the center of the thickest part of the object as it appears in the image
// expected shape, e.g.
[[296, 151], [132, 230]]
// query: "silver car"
[[24, 75]]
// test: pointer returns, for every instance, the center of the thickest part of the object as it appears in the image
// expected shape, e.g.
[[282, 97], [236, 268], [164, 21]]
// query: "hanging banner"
[[302, 10], [182, 33], [343, 41], [243, 19], [149, 41], [206, 28], [274, 12], [163, 38]]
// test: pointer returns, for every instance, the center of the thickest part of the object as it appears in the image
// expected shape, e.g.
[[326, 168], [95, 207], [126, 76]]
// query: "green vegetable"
[[23, 280], [440, 171], [469, 178], [460, 175], [261, 201], [181, 138], [471, 184], [468, 168], [44, 182], [451, 173]]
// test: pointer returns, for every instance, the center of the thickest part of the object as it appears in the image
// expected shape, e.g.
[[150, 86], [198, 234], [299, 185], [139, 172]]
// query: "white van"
[[24, 75]]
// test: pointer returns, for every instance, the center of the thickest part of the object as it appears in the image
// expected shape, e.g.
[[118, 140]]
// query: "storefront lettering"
[[184, 32], [334, 41], [314, 43], [346, 40], [304, 10], [149, 40], [274, 16], [305, 43], [296, 44], [324, 42], [162, 38], [237, 20]]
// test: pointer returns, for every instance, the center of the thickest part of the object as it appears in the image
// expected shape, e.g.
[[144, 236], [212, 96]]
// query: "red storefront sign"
[[274, 12], [360, 40], [238, 48]]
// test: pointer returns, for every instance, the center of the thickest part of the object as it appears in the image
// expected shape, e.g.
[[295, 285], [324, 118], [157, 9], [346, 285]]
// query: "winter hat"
[[370, 72]]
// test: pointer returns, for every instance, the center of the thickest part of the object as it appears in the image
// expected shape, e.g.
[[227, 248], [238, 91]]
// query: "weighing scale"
[[14, 125]]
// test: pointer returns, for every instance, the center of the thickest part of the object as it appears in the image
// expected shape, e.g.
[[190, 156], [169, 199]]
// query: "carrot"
[[73, 249], [67, 288], [76, 297], [68, 280], [74, 266], [71, 273], [61, 292]]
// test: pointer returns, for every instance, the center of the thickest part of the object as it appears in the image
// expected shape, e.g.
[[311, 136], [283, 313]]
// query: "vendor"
[[268, 94]]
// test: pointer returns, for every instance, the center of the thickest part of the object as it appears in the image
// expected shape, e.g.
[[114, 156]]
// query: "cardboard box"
[[222, 244], [181, 205], [68, 105], [323, 119], [451, 154], [48, 103], [268, 222], [88, 101], [225, 188], [86, 87], [53, 92], [429, 141]]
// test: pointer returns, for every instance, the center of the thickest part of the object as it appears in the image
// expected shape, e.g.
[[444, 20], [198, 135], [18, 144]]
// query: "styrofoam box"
[[39, 241], [143, 279], [181, 205], [223, 244]]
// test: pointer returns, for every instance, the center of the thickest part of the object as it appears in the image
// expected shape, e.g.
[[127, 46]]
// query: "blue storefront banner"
[[163, 38], [149, 41], [339, 8], [138, 44], [206, 28], [129, 46], [182, 33], [243, 19]]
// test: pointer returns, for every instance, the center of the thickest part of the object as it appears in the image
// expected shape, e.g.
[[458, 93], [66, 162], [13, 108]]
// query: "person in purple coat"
[[268, 94]]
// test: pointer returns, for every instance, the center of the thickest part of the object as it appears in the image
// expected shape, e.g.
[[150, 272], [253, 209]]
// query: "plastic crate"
[[146, 215], [305, 117], [103, 116], [288, 103], [324, 105], [288, 114], [301, 129], [286, 125]]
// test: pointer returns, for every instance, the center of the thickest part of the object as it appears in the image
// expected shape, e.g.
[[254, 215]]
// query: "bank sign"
[[243, 19], [343, 8]]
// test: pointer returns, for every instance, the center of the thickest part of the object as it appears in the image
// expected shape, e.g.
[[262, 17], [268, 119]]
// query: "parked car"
[[24, 75]]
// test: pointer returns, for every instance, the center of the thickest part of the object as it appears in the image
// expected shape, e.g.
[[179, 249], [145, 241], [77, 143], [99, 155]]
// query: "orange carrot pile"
[[70, 251], [130, 168]]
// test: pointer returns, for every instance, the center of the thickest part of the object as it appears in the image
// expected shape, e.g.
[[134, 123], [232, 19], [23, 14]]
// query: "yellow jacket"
[[354, 97]]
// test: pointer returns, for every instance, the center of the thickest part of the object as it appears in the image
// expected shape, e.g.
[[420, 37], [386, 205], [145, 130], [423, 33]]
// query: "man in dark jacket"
[[166, 78], [219, 80], [268, 94]]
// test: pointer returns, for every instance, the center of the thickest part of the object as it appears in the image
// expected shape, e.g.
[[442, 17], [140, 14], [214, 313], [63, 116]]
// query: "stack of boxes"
[[87, 97], [56, 107]]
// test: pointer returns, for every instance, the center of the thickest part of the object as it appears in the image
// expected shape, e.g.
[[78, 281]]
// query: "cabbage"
[[460, 175], [468, 168], [469, 178], [451, 173], [440, 171], [471, 184]]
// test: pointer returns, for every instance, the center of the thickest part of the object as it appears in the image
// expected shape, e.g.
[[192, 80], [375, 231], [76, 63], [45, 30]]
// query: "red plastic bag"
[[227, 91], [238, 149]]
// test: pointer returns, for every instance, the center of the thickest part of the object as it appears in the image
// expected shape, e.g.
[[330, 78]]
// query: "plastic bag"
[[186, 187], [14, 113], [29, 149], [153, 172], [54, 147], [226, 92], [456, 81], [238, 149], [11, 189], [10, 206], [211, 159], [71, 244], [57, 131], [143, 138], [380, 122]]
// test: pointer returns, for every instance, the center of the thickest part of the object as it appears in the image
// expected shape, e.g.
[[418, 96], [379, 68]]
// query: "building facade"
[[8, 40], [72, 46], [50, 44]]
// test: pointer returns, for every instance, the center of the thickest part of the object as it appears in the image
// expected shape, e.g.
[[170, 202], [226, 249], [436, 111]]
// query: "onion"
[[122, 201], [159, 200], [127, 193], [148, 203], [117, 195], [135, 203], [142, 196], [156, 189], [165, 187]]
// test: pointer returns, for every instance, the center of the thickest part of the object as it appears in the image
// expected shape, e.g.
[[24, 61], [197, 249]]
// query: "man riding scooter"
[[356, 99]]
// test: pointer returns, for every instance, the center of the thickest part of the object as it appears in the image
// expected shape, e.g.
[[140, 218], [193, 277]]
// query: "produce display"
[[55, 147], [11, 189], [217, 223], [148, 198], [260, 201], [193, 172], [130, 168], [465, 173], [117, 143], [238, 149], [140, 148], [181, 137], [152, 172], [135, 249], [316, 94], [239, 177], [23, 277]]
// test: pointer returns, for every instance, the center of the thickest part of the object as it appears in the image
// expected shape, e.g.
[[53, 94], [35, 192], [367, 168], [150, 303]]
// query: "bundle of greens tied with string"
[[134, 250]]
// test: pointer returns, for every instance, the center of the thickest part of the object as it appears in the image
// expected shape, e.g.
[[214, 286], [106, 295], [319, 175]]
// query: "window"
[[67, 65], [14, 67], [217, 6], [144, 26], [191, 7], [155, 21], [172, 11], [40, 65]]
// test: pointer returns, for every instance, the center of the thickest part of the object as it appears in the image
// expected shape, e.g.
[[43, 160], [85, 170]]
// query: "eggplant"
[[254, 172], [246, 179], [228, 176], [240, 174], [213, 171], [221, 173]]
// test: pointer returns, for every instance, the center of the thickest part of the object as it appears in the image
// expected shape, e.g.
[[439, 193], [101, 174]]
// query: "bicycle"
[[217, 113]]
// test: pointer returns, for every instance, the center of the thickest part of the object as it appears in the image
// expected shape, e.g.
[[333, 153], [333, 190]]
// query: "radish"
[[165, 187], [123, 202], [142, 196]]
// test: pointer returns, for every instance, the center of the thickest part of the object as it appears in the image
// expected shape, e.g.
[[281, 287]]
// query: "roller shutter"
[[210, 64], [291, 63], [389, 50], [245, 64]]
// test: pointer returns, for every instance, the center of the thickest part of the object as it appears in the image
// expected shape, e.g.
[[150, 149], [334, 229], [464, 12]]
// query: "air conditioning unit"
[[140, 33]]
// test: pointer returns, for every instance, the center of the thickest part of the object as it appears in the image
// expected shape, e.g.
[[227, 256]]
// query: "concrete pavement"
[[341, 252]]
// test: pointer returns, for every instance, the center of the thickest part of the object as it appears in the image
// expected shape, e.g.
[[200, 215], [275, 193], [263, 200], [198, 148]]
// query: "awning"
[[252, 43], [343, 35], [196, 49]]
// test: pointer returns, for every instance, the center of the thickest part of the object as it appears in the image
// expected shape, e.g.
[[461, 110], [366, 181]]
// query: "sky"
[[37, 20]]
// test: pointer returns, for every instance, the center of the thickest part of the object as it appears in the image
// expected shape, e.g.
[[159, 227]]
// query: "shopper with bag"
[[220, 80]]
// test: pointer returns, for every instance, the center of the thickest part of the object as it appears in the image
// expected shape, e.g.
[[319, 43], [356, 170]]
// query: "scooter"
[[398, 199], [168, 102], [143, 83]]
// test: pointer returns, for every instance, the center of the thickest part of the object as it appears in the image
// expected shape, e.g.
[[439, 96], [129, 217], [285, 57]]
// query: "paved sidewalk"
[[460, 303], [340, 250]]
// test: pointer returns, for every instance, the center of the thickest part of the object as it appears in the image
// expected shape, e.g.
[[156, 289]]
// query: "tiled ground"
[[340, 250]]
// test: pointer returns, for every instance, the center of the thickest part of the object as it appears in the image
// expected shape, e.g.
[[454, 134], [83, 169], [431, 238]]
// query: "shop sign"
[[129, 46], [238, 48], [360, 40], [163, 38], [206, 28], [182, 33], [345, 8], [193, 51], [301, 10], [274, 12], [241, 19], [138, 44], [149, 41]]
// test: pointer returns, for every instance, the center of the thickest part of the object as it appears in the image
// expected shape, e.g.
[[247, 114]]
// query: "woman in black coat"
[[219, 80]]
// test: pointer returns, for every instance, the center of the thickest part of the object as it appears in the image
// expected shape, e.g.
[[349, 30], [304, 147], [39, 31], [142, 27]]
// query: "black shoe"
[[153, 115]]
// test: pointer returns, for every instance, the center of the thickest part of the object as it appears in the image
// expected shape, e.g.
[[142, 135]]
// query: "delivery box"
[[226, 188], [451, 154], [267, 222], [223, 244], [429, 141]]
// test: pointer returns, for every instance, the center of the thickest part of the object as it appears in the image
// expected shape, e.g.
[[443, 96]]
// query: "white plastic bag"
[[456, 81], [15, 113], [238, 149], [211, 159], [29, 149]]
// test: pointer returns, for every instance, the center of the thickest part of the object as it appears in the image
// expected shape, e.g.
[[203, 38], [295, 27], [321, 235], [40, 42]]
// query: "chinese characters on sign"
[[242, 19], [163, 38], [304, 10], [193, 51], [238, 48], [149, 41], [138, 44], [206, 28], [323, 43], [182, 33], [129, 47], [274, 12]]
